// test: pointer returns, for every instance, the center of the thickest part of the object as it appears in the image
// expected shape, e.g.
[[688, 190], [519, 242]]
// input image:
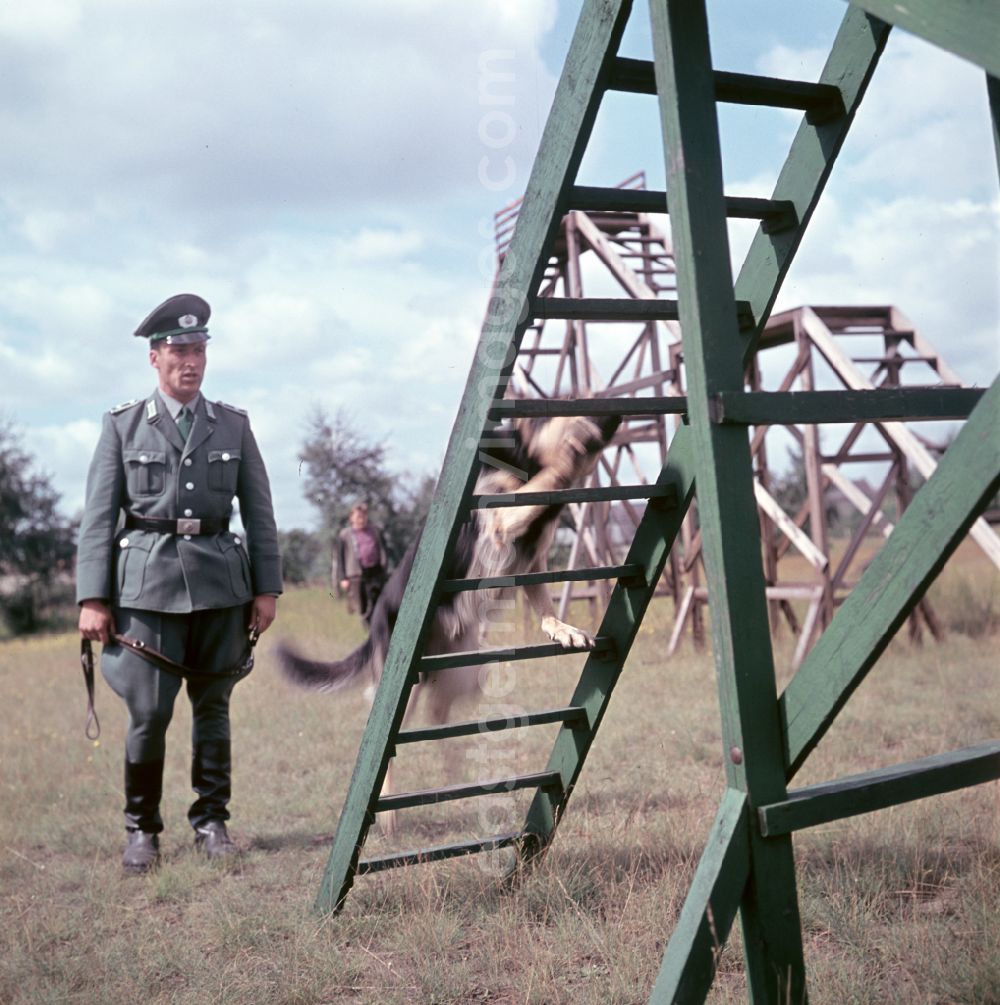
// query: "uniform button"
[[189, 512], [187, 537], [188, 462], [236, 540], [189, 486], [143, 458], [225, 457], [123, 543]]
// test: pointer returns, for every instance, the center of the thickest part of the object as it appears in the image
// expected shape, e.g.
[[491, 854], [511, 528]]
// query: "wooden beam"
[[876, 790], [801, 541], [926, 535], [913, 404], [727, 509], [857, 498], [896, 432], [968, 28], [692, 955]]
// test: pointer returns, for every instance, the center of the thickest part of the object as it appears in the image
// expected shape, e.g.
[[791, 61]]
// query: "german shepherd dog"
[[526, 455]]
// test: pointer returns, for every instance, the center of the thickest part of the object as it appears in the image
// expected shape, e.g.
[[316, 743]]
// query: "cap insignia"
[[187, 321]]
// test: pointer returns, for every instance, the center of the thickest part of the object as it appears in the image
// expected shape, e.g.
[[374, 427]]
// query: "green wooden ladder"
[[748, 864]]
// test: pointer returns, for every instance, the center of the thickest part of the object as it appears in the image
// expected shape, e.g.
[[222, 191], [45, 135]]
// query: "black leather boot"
[[143, 789], [210, 778], [213, 840]]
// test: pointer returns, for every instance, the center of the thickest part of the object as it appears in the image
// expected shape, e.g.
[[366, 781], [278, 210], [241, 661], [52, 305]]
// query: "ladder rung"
[[554, 576], [451, 661], [438, 853], [590, 199], [550, 407], [663, 495], [895, 360], [819, 101], [465, 790], [876, 405], [617, 309], [478, 727]]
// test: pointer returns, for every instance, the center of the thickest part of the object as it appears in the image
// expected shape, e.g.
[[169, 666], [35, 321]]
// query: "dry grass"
[[898, 906]]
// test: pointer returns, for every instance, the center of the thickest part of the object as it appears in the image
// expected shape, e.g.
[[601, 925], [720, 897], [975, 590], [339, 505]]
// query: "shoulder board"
[[232, 408], [124, 406]]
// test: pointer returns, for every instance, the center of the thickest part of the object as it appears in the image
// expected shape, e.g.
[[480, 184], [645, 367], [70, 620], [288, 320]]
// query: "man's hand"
[[345, 584], [96, 622], [262, 613]]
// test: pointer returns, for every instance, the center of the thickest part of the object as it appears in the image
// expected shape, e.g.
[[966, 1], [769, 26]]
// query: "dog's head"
[[567, 442]]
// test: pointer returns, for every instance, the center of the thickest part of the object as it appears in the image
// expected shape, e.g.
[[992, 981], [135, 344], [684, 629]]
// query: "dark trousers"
[[365, 590], [209, 641]]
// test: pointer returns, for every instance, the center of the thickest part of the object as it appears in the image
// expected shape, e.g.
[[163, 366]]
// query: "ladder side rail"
[[564, 139]]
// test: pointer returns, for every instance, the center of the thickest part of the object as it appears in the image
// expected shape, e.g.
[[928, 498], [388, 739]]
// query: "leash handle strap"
[[93, 728]]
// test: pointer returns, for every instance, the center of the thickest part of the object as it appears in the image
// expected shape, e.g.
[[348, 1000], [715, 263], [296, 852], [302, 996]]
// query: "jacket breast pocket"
[[145, 472], [223, 470]]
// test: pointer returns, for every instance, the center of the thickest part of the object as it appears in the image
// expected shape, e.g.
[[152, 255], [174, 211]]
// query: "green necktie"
[[184, 421]]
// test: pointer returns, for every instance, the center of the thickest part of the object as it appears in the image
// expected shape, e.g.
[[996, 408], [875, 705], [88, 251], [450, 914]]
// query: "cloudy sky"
[[326, 174]]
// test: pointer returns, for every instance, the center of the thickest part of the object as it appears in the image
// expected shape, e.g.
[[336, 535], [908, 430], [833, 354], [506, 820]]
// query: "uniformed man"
[[159, 567]]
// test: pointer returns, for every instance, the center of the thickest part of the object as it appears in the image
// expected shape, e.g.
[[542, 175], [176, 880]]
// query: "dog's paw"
[[566, 635]]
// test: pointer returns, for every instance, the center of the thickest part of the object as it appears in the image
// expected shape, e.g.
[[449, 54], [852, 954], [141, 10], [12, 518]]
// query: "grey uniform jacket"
[[142, 465]]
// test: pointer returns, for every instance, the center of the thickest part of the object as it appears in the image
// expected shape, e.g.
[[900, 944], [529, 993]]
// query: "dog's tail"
[[319, 675]]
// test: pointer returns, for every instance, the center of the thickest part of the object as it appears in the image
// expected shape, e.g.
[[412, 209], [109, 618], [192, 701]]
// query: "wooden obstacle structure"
[[631, 251], [748, 866]]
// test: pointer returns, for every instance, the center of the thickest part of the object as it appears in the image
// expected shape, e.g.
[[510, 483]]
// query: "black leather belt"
[[182, 525]]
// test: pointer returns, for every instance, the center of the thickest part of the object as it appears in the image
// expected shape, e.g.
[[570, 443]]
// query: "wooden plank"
[[612, 309], [662, 495], [603, 647], [764, 408], [467, 790], [564, 140], [637, 76], [727, 509], [899, 434], [438, 853], [884, 787], [800, 540], [857, 498], [600, 572], [968, 28], [692, 954], [592, 199], [993, 97], [926, 535], [496, 724], [548, 407]]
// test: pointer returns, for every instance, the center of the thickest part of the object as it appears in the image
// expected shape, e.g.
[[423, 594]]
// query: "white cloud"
[[262, 110]]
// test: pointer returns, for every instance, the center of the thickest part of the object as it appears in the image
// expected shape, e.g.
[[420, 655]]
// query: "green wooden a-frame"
[[748, 864]]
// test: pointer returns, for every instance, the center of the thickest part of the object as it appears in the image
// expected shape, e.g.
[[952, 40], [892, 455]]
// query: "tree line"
[[340, 465]]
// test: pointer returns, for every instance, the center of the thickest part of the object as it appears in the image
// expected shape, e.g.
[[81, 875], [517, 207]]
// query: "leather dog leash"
[[154, 656], [93, 728]]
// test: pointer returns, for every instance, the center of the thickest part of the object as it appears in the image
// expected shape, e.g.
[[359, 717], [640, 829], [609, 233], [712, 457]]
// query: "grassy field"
[[899, 906]]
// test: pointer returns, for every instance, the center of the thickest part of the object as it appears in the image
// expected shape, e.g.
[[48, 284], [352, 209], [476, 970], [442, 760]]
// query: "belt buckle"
[[188, 526]]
